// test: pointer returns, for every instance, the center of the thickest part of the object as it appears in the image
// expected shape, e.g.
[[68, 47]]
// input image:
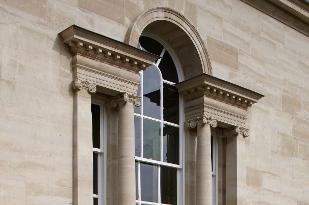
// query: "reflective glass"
[[149, 183], [168, 185], [137, 127], [168, 68], [171, 144], [136, 180], [95, 173], [151, 89], [95, 111], [170, 103], [151, 139]]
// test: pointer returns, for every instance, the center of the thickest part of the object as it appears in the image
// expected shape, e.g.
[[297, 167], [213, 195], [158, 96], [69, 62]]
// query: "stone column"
[[203, 161], [82, 144], [126, 150]]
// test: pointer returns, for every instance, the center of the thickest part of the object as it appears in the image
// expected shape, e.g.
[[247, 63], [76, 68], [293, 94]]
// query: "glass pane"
[[149, 183], [168, 185], [151, 139], [136, 180], [137, 127], [95, 201], [95, 173], [137, 109], [168, 68], [150, 45], [171, 144], [170, 103], [95, 110], [151, 97]]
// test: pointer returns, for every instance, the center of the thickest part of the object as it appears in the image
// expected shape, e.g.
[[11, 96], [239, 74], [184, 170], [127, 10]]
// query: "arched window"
[[157, 135]]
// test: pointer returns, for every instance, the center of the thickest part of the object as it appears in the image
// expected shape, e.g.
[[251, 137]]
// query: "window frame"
[[181, 167], [101, 196]]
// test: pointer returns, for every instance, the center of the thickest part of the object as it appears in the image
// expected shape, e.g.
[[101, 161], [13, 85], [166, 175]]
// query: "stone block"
[[301, 129], [112, 9], [290, 104], [254, 177], [303, 150], [222, 53]]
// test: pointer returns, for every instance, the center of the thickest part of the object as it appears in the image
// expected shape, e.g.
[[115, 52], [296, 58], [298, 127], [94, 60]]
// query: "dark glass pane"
[[171, 144], [95, 173], [137, 109], [151, 45], [168, 185], [151, 98], [137, 126], [149, 183], [151, 139], [212, 148], [168, 68], [170, 103], [95, 201], [95, 110], [136, 180]]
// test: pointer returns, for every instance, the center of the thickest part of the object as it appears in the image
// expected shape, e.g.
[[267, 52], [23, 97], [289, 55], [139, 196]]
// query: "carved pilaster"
[[83, 84], [193, 123]]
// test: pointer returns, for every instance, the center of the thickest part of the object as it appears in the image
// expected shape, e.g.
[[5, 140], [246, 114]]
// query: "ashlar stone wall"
[[246, 47]]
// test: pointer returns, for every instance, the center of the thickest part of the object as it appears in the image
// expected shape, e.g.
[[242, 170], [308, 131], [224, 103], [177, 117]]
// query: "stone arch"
[[173, 28]]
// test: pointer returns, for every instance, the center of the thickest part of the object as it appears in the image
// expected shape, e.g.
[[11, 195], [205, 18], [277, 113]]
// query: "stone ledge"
[[288, 12]]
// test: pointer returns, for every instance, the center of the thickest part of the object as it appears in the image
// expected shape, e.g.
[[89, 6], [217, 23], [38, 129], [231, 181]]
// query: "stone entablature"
[[207, 97], [101, 61], [294, 13]]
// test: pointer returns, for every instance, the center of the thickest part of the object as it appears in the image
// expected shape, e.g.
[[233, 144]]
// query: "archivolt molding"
[[167, 14], [101, 61], [212, 98]]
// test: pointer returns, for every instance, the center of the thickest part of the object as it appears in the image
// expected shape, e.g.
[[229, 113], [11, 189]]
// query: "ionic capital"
[[201, 121], [124, 98], [242, 131], [84, 85]]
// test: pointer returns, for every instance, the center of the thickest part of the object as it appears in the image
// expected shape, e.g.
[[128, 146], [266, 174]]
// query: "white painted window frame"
[[102, 157], [139, 160]]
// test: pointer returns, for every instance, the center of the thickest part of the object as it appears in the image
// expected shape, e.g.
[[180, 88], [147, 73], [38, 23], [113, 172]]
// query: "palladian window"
[[157, 135]]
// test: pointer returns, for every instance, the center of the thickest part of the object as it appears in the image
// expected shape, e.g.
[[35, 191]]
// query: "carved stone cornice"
[[103, 64], [218, 100], [293, 13], [124, 98], [220, 90], [101, 48], [200, 121]]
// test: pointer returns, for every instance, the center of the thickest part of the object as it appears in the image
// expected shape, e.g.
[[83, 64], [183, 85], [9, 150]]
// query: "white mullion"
[[169, 82], [158, 163], [142, 114], [159, 184], [171, 124], [161, 56]]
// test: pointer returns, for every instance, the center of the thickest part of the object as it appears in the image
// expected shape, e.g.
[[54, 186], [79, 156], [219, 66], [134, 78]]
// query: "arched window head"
[[157, 136]]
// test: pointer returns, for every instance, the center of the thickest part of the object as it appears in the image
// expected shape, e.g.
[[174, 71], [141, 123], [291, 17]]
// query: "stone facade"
[[244, 46]]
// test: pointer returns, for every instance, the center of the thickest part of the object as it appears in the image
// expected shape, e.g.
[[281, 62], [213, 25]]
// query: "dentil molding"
[[104, 62], [215, 100]]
